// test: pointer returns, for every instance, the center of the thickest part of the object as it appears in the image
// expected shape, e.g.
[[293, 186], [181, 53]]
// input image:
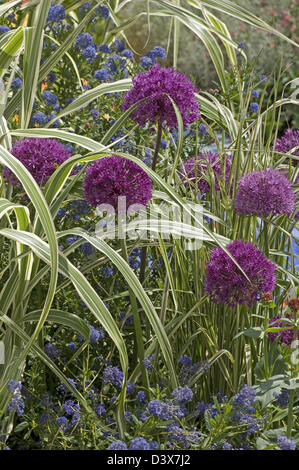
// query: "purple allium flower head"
[[263, 193], [287, 142], [109, 178], [284, 336], [155, 85], [286, 444], [196, 170], [118, 445], [226, 284], [139, 443], [40, 156]]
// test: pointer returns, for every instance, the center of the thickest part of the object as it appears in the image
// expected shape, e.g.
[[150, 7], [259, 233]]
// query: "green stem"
[[137, 326], [154, 163], [266, 237]]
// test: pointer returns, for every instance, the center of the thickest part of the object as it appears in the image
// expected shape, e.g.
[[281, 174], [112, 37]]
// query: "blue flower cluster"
[[152, 56], [188, 369], [17, 403], [56, 14]]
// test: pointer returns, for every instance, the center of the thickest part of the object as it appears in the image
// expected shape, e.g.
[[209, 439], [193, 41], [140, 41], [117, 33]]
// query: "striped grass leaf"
[[35, 195], [49, 363], [137, 289], [67, 319], [90, 95], [11, 47], [7, 6], [33, 46], [87, 294], [242, 14]]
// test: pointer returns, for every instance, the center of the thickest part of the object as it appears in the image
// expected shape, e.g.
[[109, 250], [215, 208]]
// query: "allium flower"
[[263, 193], [286, 444], [284, 336], [156, 84], [118, 445], [40, 156], [226, 284], [109, 178], [102, 75], [196, 171], [56, 13], [287, 142]]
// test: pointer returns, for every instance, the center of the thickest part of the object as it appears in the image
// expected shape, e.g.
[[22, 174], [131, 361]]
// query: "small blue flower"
[[242, 46], [84, 40], [104, 48], [4, 29], [89, 53], [39, 118], [286, 444], [103, 12], [141, 397], [264, 78], [62, 422], [95, 334], [72, 346], [202, 129], [52, 351], [107, 271], [102, 75], [118, 45], [49, 97], [56, 13], [254, 107], [95, 113], [17, 83], [127, 53], [255, 93], [118, 445], [87, 249], [146, 62], [139, 443]]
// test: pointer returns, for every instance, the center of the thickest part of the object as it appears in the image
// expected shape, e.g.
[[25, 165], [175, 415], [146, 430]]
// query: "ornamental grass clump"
[[109, 178], [264, 193], [41, 157], [194, 171], [226, 284]]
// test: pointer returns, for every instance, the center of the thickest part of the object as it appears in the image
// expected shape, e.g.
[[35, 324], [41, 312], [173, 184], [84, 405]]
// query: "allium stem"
[[266, 237], [154, 163], [137, 326]]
